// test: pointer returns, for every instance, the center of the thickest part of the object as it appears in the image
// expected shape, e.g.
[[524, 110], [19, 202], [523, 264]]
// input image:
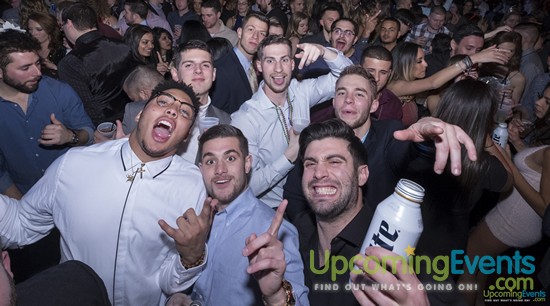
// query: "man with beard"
[[109, 199], [236, 78], [225, 165], [335, 169], [268, 119], [41, 118], [354, 102]]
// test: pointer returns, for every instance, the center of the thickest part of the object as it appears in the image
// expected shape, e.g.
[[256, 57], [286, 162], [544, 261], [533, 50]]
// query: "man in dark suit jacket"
[[387, 155], [96, 66], [233, 81], [193, 65]]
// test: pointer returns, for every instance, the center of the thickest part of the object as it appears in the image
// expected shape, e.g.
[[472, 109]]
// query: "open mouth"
[[279, 80], [163, 130], [340, 45]]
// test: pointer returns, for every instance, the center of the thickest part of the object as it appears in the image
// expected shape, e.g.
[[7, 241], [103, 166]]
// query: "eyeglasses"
[[164, 99], [346, 33]]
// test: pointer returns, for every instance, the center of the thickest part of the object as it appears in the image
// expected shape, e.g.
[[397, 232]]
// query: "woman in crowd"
[[510, 41], [409, 70], [298, 28], [516, 221], [456, 19], [234, 22], [29, 7], [44, 28], [163, 50], [449, 200], [141, 41]]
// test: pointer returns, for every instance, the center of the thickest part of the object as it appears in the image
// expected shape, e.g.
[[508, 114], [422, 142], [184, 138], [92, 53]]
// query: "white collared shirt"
[[257, 118], [110, 222]]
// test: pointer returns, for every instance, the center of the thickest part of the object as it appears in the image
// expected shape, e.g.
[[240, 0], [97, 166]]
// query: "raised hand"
[[55, 133], [448, 139], [267, 259], [192, 231], [405, 289]]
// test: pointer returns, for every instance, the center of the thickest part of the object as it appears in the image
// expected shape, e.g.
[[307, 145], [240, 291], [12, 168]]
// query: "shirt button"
[[36, 155], [31, 138]]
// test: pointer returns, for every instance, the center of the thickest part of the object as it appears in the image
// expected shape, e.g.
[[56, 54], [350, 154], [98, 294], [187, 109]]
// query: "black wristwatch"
[[75, 139]]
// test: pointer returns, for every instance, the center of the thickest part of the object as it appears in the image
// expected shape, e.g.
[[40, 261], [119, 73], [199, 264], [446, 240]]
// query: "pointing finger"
[[273, 229]]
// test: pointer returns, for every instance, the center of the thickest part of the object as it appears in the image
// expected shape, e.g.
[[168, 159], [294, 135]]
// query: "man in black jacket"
[[96, 67]]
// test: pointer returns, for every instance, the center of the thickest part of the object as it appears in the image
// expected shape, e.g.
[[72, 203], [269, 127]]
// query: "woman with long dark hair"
[[140, 38], [516, 221], [163, 50]]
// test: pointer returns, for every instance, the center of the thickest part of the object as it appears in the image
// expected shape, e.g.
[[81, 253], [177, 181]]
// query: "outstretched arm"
[[489, 55], [448, 139]]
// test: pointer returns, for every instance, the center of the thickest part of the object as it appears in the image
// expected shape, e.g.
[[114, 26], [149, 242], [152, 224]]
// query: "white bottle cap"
[[410, 190]]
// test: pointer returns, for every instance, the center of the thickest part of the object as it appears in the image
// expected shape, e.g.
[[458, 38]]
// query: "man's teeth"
[[221, 181], [166, 123], [325, 190]]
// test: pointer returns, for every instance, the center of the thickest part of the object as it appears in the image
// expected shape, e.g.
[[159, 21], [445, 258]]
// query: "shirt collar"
[[264, 102], [130, 162], [243, 205], [354, 232], [242, 59]]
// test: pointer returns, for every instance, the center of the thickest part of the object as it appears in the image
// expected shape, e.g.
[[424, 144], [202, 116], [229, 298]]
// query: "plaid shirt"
[[421, 30]]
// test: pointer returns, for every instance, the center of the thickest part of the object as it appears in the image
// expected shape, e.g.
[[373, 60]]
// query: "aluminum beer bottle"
[[397, 222], [500, 135]]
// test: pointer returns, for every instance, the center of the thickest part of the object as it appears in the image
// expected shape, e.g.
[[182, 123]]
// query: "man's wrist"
[[284, 296], [193, 263]]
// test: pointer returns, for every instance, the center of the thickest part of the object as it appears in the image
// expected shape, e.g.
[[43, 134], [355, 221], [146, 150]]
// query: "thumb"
[[119, 131], [54, 120]]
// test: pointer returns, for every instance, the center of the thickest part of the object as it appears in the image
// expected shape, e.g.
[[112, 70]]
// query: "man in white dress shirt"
[[108, 201], [266, 119]]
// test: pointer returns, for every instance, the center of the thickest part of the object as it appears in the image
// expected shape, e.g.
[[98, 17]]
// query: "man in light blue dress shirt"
[[232, 276]]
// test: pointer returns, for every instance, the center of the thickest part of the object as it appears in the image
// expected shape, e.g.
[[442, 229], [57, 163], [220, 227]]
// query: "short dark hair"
[[82, 16], [441, 44], [362, 72], [331, 6], [465, 30], [258, 16], [334, 128], [392, 19], [138, 7], [272, 40], [213, 4], [224, 131], [355, 25], [170, 84], [378, 52], [12, 41], [190, 45]]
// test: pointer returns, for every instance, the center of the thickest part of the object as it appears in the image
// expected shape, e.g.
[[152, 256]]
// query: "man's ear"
[[247, 164], [362, 174], [174, 73], [239, 33], [259, 66], [374, 105], [6, 262]]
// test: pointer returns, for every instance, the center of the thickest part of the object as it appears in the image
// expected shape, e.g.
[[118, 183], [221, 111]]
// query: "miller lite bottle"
[[397, 222], [500, 135]]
